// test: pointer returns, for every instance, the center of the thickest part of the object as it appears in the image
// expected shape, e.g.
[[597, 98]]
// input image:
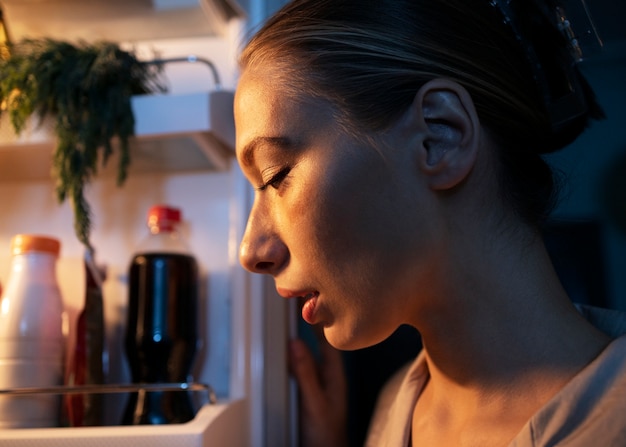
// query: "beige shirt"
[[589, 411]]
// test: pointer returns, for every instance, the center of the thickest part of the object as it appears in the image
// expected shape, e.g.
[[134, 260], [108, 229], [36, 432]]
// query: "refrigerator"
[[183, 155]]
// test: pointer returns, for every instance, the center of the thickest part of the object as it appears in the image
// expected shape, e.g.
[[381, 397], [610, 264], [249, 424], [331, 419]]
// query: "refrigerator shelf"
[[219, 424], [173, 133]]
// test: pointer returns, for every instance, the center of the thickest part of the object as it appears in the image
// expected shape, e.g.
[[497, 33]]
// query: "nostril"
[[263, 266]]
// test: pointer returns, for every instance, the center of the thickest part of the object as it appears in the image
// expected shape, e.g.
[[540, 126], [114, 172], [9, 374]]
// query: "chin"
[[338, 339]]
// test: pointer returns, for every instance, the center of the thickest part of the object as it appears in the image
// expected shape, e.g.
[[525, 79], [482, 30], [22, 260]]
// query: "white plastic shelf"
[[173, 133], [215, 425]]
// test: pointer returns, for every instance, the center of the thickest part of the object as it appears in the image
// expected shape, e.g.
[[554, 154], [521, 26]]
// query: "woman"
[[395, 147]]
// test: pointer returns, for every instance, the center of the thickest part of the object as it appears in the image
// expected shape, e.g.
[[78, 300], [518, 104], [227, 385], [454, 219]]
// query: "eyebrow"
[[247, 153]]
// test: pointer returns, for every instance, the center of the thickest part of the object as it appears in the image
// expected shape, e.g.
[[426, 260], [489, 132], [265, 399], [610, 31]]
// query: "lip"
[[305, 294], [308, 300]]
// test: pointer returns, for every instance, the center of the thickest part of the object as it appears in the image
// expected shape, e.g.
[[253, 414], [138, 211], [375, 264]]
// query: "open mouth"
[[302, 294], [309, 296]]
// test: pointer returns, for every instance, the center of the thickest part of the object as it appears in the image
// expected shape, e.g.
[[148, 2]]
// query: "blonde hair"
[[369, 59]]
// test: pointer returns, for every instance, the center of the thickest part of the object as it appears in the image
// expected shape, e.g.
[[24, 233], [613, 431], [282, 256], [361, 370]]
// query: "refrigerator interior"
[[214, 199]]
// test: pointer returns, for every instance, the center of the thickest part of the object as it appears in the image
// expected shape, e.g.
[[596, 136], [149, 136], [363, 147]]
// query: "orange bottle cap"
[[25, 243]]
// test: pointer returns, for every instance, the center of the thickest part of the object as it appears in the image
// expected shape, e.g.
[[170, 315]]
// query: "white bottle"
[[31, 334]]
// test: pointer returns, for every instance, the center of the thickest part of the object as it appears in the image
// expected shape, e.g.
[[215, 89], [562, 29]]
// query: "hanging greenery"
[[86, 89]]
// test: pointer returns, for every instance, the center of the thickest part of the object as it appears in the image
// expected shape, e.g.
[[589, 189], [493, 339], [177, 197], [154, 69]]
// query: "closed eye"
[[276, 179]]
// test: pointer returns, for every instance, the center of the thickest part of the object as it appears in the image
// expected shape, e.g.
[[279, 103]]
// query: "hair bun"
[[545, 35]]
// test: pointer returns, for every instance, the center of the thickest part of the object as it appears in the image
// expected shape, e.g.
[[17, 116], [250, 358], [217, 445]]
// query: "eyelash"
[[275, 180]]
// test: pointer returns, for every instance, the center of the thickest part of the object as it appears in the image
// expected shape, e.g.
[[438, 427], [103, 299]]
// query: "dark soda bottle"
[[161, 333]]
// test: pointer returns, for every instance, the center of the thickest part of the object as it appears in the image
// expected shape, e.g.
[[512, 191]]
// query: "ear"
[[446, 114]]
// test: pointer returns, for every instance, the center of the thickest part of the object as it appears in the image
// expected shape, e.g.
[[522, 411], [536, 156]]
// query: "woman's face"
[[335, 220]]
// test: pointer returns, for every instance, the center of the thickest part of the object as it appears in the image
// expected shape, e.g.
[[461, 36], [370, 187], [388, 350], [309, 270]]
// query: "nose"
[[261, 249]]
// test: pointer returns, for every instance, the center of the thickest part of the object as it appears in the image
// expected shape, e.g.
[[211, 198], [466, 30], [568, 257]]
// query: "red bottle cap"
[[163, 217]]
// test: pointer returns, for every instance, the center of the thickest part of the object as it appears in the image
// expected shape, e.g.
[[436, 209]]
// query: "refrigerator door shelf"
[[173, 133], [221, 424]]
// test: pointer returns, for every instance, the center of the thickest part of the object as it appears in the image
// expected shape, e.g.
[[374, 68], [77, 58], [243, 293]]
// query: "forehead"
[[256, 91], [265, 89], [265, 108]]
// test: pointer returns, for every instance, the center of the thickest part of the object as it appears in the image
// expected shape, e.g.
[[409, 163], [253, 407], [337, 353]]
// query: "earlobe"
[[450, 144]]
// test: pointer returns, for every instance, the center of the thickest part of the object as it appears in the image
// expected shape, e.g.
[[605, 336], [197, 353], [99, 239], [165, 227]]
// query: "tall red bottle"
[[161, 333], [86, 361]]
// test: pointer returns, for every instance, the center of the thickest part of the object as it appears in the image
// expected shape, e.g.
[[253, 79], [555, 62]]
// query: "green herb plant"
[[86, 89]]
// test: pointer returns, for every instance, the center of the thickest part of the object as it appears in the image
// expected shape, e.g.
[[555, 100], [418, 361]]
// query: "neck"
[[503, 319]]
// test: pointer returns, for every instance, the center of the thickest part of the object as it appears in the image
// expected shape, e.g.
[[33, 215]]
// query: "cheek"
[[350, 214], [339, 207], [368, 227], [358, 202], [352, 243]]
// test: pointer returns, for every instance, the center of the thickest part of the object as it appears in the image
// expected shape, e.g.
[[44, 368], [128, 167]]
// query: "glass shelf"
[[112, 389]]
